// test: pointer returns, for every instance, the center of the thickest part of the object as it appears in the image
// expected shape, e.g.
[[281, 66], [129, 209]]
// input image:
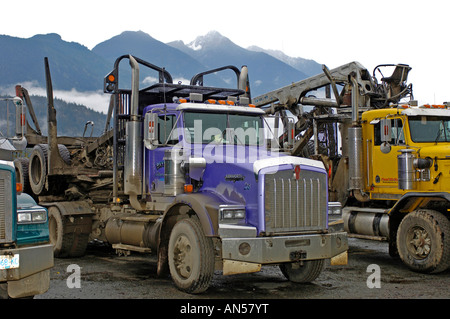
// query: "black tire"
[[423, 241], [191, 256], [64, 153], [37, 169], [303, 273], [67, 242], [21, 166]]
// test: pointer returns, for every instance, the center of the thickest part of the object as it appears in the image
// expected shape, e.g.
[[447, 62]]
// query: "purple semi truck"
[[191, 174]]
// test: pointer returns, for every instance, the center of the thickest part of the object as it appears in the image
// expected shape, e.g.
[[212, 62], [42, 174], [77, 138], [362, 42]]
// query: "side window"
[[397, 134], [165, 126]]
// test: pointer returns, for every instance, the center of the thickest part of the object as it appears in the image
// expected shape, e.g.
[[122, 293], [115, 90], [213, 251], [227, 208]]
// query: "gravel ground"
[[104, 275]]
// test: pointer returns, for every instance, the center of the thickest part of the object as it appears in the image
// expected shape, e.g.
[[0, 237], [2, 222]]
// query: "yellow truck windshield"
[[429, 129]]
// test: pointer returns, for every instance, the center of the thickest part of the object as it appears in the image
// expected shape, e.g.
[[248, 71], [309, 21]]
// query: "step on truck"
[[26, 256], [184, 173], [388, 158]]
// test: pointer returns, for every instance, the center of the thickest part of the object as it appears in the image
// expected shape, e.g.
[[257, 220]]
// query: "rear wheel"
[[66, 234], [423, 241], [304, 272], [191, 256]]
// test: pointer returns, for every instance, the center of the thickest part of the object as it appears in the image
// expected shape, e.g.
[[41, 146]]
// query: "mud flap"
[[339, 260], [233, 267]]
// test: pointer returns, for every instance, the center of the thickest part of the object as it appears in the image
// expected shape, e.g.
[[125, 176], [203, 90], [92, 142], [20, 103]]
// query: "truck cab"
[[422, 130]]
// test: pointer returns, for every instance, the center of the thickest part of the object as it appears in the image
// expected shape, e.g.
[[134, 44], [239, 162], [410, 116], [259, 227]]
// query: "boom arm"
[[292, 94]]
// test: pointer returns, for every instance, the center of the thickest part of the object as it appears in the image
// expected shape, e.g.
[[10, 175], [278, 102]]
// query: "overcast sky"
[[327, 31]]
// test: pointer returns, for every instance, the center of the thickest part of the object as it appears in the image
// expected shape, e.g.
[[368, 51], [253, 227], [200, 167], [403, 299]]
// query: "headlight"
[[32, 217], [24, 218], [228, 213]]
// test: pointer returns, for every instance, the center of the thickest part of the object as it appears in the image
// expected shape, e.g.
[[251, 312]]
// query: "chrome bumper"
[[32, 277], [280, 249]]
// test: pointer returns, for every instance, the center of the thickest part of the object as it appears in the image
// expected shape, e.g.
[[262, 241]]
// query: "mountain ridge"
[[75, 67]]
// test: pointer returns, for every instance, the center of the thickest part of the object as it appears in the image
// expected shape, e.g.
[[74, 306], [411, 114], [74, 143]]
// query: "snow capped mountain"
[[211, 40], [268, 70]]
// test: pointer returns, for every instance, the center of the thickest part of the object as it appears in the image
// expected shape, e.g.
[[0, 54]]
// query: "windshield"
[[223, 128], [429, 129]]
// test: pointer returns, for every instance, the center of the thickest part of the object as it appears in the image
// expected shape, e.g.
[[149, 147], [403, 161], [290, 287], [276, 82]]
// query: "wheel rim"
[[182, 256], [419, 242]]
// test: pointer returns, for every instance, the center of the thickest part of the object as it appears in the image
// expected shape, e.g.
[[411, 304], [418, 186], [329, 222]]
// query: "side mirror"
[[385, 130], [385, 135], [151, 131], [291, 133]]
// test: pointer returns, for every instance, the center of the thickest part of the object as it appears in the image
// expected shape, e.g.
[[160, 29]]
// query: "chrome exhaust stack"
[[355, 142], [134, 149]]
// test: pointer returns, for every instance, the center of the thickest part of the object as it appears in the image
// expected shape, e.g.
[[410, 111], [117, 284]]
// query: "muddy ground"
[[104, 275]]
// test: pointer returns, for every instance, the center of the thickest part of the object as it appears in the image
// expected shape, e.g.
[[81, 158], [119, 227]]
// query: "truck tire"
[[423, 241], [66, 239], [37, 169], [21, 166], [305, 273], [191, 256]]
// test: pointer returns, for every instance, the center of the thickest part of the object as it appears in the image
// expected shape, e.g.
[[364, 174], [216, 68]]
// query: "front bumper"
[[281, 249], [32, 277]]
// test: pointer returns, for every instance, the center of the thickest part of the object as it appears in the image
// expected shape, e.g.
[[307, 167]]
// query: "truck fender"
[[205, 207], [71, 208], [413, 200]]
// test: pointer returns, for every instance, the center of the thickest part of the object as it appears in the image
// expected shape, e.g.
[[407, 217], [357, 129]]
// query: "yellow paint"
[[382, 169]]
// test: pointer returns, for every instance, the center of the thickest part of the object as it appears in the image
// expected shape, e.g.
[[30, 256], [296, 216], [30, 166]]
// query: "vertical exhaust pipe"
[[244, 82], [355, 141], [133, 162]]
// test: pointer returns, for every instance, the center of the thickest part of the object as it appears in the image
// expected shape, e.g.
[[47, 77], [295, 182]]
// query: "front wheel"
[[304, 272], [191, 256], [423, 241]]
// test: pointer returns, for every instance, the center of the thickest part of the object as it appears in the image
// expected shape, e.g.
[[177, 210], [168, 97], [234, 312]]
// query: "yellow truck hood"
[[441, 151]]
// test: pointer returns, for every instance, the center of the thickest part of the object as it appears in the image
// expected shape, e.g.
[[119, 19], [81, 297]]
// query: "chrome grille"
[[2, 209], [5, 206], [295, 205]]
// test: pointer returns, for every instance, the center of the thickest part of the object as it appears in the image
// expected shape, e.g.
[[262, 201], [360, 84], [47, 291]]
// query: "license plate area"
[[9, 261]]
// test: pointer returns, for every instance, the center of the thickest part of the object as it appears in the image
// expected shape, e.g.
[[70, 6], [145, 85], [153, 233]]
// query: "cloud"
[[95, 100]]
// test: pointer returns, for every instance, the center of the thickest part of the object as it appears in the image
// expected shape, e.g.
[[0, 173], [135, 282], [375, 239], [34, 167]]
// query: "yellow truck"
[[388, 158]]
